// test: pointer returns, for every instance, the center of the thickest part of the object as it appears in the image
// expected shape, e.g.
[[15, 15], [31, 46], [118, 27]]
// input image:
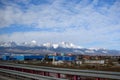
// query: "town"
[[96, 62]]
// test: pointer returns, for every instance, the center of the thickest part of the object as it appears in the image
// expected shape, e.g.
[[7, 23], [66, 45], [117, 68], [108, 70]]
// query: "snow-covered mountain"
[[61, 44], [61, 47], [8, 44], [32, 43]]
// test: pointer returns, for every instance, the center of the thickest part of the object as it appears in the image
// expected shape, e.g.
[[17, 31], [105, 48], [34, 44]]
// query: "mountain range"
[[63, 47]]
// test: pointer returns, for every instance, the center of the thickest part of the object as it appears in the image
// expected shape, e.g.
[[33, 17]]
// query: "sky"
[[88, 23]]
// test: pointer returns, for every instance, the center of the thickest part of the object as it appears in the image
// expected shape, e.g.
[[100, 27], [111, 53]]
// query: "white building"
[[94, 61]]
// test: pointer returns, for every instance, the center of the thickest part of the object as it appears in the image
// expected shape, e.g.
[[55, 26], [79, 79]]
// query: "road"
[[87, 73]]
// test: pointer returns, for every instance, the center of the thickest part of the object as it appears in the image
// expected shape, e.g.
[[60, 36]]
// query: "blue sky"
[[88, 23]]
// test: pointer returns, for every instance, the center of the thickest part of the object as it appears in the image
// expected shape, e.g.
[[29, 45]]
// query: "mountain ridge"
[[62, 47]]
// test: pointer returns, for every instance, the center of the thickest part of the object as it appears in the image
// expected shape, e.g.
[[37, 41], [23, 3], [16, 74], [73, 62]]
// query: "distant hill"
[[63, 47]]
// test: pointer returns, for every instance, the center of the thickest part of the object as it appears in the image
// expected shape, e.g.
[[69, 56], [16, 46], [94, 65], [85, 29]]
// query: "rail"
[[29, 75], [89, 73]]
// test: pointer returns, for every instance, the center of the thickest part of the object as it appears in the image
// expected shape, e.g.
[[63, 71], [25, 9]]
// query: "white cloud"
[[81, 37], [82, 23], [54, 15]]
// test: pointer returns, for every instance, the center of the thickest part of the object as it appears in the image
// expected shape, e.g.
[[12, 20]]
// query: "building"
[[5, 57], [94, 61], [29, 57], [63, 58]]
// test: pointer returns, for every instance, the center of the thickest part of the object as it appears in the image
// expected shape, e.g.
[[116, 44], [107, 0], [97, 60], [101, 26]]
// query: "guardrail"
[[87, 73], [29, 75]]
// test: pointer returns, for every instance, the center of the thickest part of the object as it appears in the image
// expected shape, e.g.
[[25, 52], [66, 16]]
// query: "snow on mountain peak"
[[68, 45], [31, 44], [61, 44], [55, 46], [97, 49], [8, 44], [47, 44], [33, 41]]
